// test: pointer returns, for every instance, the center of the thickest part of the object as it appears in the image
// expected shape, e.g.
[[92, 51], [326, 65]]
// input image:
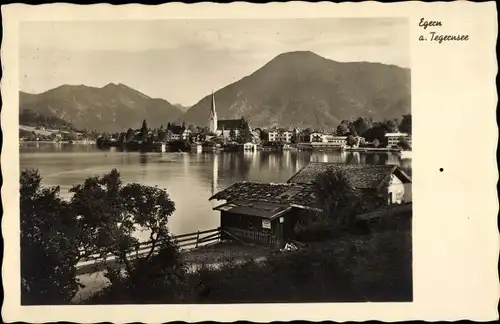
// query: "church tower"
[[212, 124]]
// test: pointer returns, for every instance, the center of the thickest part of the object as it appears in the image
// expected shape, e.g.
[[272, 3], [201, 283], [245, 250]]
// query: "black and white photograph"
[[215, 161], [249, 162]]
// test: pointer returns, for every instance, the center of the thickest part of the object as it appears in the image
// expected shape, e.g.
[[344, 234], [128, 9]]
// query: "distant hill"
[[112, 108], [29, 117], [182, 108], [302, 89]]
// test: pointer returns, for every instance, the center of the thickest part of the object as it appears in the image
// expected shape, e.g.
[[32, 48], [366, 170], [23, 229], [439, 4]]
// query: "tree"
[[144, 131], [49, 245], [110, 213], [162, 134], [352, 131], [403, 143], [305, 135], [361, 125], [392, 126], [376, 143], [72, 136], [377, 132], [191, 128], [264, 135], [232, 135], [337, 197], [351, 141], [122, 138], [130, 135], [245, 135], [405, 125], [343, 128]]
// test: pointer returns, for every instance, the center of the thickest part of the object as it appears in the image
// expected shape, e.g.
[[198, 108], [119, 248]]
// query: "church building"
[[222, 127]]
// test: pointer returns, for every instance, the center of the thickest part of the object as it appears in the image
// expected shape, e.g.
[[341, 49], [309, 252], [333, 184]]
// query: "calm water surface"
[[189, 178]]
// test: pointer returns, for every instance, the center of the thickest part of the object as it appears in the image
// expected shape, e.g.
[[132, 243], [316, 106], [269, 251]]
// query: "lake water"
[[189, 178]]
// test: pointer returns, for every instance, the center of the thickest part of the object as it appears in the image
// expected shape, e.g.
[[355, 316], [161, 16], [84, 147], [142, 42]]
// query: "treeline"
[[373, 130], [103, 213], [29, 117], [147, 135], [142, 135]]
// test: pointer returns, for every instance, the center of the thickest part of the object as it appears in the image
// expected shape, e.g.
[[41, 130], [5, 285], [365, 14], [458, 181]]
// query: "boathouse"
[[249, 147]]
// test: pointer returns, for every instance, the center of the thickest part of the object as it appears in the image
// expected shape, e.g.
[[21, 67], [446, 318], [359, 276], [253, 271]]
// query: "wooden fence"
[[184, 241], [246, 236]]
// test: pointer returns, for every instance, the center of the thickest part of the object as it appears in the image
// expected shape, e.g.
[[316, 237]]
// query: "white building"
[[286, 136], [328, 138], [394, 138], [280, 136], [177, 133], [335, 140], [249, 146], [272, 136]]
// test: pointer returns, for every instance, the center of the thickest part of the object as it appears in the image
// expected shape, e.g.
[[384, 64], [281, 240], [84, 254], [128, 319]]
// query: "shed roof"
[[289, 194], [254, 208], [362, 176]]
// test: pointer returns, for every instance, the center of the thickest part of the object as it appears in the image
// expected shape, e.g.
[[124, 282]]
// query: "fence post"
[[197, 238]]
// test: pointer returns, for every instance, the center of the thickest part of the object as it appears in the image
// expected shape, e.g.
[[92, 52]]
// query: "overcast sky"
[[184, 60]]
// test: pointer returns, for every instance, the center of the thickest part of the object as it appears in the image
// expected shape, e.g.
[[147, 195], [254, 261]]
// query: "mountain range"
[[295, 89], [112, 108]]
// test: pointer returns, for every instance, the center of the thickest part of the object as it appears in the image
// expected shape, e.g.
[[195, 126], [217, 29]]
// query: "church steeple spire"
[[213, 105], [213, 116]]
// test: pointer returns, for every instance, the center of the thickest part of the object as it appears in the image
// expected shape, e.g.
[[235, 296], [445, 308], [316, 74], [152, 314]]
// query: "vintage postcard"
[[281, 161]]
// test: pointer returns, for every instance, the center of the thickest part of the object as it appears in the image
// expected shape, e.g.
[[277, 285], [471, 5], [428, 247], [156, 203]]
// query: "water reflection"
[[215, 174], [143, 158], [189, 178]]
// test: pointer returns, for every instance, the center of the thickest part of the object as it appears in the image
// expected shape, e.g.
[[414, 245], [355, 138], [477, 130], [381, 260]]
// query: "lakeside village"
[[361, 134], [332, 232]]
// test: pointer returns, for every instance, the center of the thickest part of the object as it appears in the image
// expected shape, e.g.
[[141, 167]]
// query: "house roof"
[[362, 176], [276, 193], [254, 208], [228, 124]]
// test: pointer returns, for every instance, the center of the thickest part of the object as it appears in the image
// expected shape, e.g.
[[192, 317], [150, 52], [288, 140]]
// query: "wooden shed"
[[262, 213]]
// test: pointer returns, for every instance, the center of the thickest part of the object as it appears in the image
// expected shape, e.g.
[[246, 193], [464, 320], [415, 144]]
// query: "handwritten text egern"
[[434, 36]]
